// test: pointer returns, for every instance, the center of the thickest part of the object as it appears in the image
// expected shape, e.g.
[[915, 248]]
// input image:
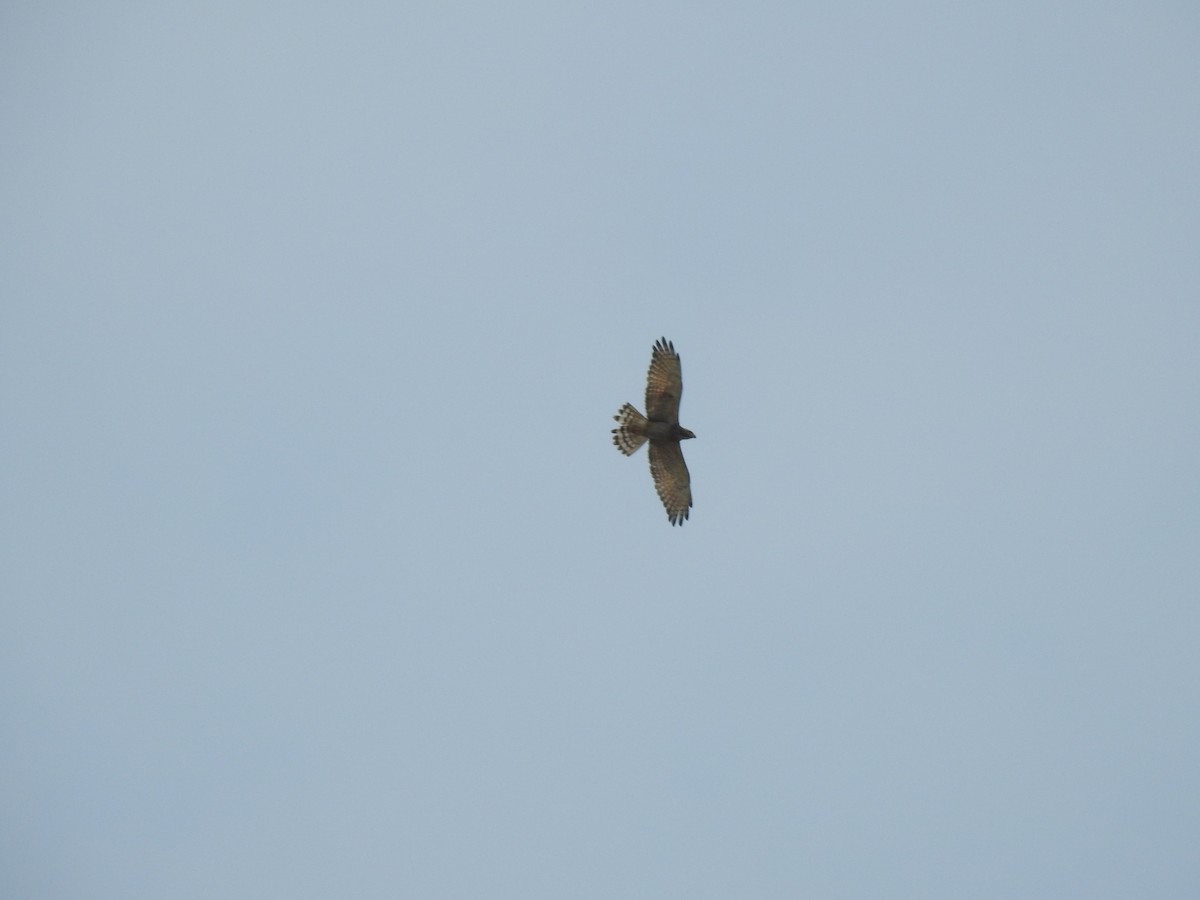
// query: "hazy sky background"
[[322, 577]]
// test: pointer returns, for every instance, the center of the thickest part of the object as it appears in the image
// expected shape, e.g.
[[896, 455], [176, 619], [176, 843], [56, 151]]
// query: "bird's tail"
[[630, 432]]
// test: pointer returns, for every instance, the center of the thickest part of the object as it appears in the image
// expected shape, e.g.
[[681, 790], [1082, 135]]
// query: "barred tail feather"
[[630, 432]]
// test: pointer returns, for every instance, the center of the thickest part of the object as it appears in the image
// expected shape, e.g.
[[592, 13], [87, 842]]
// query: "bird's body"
[[660, 426]]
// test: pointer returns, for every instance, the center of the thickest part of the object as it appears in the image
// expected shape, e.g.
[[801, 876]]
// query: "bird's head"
[[684, 434]]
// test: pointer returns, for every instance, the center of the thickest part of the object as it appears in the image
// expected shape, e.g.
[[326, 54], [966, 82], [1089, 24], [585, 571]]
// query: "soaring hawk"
[[660, 426]]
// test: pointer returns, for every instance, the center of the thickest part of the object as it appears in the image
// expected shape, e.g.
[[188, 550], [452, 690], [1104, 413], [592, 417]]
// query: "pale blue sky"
[[322, 577]]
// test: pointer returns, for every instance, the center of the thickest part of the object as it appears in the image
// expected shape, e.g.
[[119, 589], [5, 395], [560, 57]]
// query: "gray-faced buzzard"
[[660, 426]]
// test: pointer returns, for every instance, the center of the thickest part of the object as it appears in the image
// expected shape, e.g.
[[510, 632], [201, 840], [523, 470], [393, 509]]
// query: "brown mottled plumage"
[[660, 426]]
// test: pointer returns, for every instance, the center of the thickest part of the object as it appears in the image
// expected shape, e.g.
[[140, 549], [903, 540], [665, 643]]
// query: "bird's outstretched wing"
[[664, 385], [671, 479]]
